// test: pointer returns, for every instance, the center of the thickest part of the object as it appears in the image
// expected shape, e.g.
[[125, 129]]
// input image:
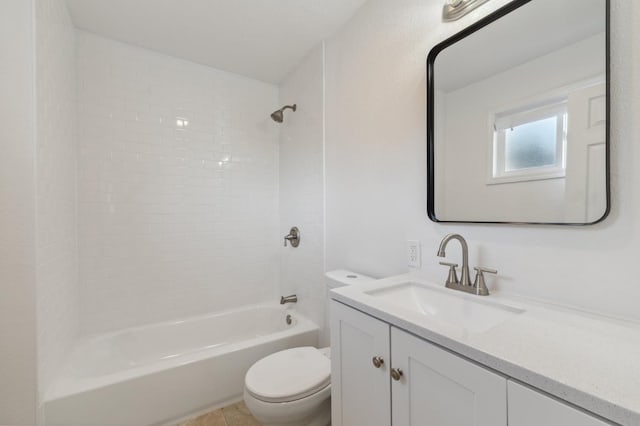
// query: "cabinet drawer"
[[530, 408]]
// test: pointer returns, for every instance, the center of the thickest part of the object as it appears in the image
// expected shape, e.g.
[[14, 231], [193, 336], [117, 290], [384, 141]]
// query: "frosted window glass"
[[531, 145]]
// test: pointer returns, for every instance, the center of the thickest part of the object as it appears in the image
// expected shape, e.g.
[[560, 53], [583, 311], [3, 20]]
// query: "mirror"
[[518, 113]]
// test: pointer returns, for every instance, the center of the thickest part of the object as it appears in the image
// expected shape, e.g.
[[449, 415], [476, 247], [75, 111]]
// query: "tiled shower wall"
[[57, 289], [178, 187], [302, 185]]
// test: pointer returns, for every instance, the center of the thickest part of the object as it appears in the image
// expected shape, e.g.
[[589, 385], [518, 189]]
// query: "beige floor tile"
[[239, 415], [215, 418]]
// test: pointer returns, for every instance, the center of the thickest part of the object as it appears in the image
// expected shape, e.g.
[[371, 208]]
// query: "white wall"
[[56, 147], [376, 167], [174, 221], [302, 186], [18, 392]]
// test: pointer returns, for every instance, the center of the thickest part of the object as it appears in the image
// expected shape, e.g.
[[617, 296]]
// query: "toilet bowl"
[[291, 388]]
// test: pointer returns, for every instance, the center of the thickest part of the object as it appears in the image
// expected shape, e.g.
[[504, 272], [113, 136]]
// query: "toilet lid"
[[289, 375]]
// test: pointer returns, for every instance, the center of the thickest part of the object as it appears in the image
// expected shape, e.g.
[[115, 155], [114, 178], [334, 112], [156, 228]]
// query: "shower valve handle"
[[293, 237]]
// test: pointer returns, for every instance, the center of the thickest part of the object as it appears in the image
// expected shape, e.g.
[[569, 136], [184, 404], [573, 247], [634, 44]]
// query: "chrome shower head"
[[278, 116]]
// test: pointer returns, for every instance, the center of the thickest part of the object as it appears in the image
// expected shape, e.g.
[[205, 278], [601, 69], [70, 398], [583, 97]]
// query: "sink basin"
[[437, 304]]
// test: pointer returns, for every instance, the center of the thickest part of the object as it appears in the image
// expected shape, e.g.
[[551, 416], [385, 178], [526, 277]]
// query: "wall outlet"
[[414, 259]]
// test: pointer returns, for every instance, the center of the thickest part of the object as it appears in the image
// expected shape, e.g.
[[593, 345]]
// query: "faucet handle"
[[453, 277], [293, 237], [479, 285]]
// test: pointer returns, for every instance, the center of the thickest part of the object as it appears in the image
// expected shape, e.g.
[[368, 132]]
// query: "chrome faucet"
[[465, 279], [478, 287], [288, 299]]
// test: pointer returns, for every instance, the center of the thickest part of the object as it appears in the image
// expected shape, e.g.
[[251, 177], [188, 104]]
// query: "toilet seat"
[[289, 375]]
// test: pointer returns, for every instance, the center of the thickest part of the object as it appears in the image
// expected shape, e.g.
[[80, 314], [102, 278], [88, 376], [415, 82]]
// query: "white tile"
[[178, 187]]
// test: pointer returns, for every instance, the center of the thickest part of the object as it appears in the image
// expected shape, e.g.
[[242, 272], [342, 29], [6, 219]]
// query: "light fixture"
[[456, 9]]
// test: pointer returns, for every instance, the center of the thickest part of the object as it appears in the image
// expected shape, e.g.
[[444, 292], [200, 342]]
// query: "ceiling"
[[260, 39]]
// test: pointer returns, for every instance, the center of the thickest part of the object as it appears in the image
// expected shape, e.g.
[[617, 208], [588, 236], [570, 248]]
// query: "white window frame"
[[504, 120]]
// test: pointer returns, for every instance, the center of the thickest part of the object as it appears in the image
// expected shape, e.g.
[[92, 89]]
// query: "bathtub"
[[162, 372]]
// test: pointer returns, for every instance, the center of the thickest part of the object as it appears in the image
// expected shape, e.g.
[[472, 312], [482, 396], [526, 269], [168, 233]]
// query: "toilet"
[[293, 387]]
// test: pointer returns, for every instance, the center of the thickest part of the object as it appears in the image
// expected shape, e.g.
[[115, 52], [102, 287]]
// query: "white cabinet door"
[[360, 391], [530, 408], [438, 388]]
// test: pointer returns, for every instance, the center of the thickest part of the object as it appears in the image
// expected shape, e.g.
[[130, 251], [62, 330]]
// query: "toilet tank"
[[343, 277], [336, 279]]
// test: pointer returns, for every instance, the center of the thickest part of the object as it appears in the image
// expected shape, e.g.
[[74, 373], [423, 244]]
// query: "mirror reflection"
[[518, 117]]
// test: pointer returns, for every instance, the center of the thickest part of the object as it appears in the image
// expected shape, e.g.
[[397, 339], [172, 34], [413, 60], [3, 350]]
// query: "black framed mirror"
[[518, 117]]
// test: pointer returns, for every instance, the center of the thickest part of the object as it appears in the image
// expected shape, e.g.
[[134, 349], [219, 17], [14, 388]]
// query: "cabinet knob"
[[396, 374], [377, 361]]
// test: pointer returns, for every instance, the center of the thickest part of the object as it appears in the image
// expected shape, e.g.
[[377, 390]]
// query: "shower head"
[[278, 116]]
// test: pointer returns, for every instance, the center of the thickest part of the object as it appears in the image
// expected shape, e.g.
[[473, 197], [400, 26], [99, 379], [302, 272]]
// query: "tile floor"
[[233, 415]]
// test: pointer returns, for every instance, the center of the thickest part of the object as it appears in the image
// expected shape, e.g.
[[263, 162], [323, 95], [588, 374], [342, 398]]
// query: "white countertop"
[[590, 361]]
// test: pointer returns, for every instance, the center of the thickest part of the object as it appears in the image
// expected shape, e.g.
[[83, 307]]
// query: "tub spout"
[[288, 299]]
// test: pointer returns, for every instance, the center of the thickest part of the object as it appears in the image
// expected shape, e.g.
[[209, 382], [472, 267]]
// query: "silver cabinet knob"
[[396, 374], [377, 361]]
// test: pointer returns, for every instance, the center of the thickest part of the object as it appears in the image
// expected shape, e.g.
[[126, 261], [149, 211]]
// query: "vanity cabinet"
[[528, 407], [384, 376]]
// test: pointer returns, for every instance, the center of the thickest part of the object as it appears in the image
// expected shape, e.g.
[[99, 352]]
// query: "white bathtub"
[[160, 372]]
